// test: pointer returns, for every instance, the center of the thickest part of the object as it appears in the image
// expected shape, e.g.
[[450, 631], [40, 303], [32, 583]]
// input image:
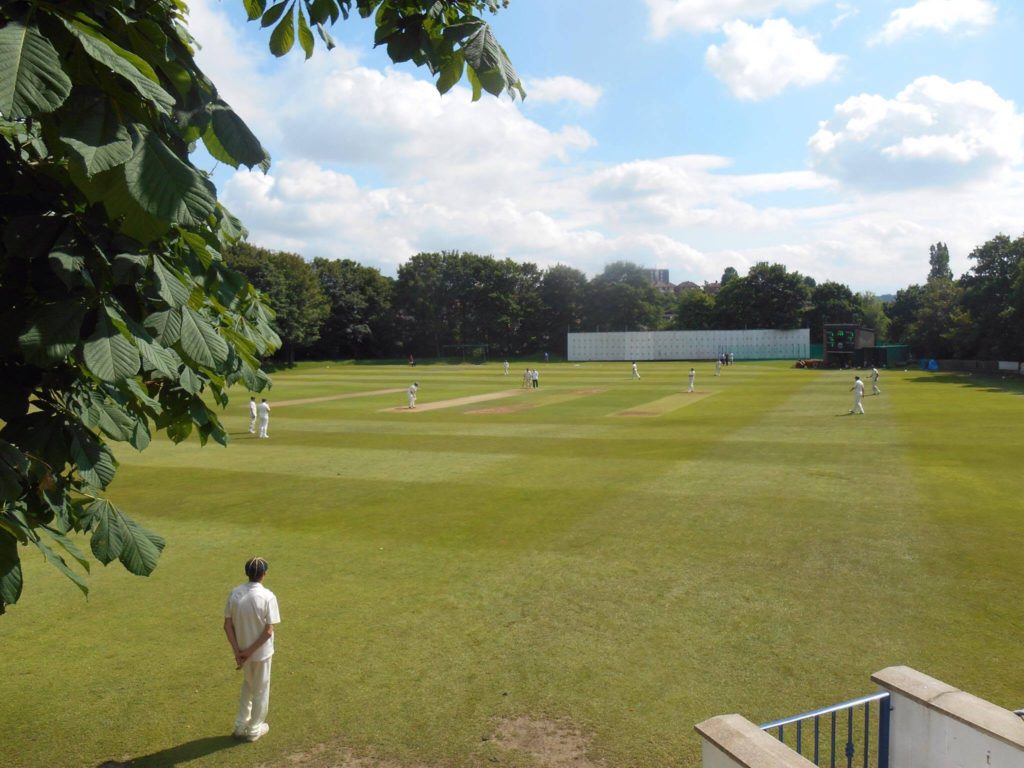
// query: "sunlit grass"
[[756, 550]]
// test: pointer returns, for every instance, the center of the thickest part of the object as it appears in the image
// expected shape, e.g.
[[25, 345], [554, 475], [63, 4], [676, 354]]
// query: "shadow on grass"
[[989, 382], [178, 755]]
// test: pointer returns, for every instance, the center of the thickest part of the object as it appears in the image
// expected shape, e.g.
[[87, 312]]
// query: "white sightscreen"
[[691, 345]]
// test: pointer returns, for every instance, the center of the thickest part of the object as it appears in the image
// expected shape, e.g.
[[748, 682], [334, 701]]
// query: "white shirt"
[[412, 390], [264, 409], [252, 408], [858, 388], [251, 607], [692, 375], [874, 374]]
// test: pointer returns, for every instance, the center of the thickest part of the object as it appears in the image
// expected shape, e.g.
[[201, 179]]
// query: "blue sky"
[[840, 138]]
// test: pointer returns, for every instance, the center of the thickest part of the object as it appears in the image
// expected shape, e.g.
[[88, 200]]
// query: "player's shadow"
[[181, 754]]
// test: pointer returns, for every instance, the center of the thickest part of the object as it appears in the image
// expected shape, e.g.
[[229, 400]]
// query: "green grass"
[[756, 550]]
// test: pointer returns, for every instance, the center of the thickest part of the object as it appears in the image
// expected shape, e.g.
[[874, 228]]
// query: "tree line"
[[336, 309]]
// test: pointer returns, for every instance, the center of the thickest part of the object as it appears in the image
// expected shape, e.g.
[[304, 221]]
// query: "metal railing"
[[846, 725]]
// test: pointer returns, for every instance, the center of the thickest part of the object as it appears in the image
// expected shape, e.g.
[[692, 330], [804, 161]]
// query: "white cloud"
[[562, 89], [398, 124], [933, 133], [374, 166], [941, 15], [757, 63], [844, 12], [666, 16]]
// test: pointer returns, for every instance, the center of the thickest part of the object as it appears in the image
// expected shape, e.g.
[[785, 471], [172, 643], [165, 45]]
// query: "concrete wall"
[[934, 725], [732, 741], [690, 345]]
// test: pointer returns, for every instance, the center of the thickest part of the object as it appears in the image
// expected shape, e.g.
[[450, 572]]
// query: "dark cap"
[[255, 568]]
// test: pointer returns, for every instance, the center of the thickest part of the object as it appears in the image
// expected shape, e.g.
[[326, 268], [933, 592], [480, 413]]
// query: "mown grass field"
[[750, 549]]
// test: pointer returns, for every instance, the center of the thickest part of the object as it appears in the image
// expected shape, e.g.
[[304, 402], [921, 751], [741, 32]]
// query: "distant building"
[[658, 277], [686, 285]]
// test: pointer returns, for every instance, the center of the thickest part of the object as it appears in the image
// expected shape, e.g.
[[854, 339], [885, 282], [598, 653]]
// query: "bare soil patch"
[[551, 743], [547, 743], [491, 411], [590, 391]]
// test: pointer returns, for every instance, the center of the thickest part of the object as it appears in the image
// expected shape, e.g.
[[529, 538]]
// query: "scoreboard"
[[840, 339]]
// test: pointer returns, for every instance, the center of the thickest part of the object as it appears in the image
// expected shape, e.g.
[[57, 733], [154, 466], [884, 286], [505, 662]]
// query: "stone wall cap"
[[968, 709], [748, 745]]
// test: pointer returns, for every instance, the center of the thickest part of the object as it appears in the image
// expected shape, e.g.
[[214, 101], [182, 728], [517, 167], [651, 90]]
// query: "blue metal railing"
[[853, 737]]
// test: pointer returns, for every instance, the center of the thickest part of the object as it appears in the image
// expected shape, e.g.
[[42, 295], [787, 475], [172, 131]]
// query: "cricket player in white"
[[506, 367], [718, 367], [636, 373], [693, 375], [858, 395], [252, 415], [412, 394], [874, 382], [249, 618], [264, 417]]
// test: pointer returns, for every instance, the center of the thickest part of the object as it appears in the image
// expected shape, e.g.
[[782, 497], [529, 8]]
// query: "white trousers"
[[255, 699], [264, 423], [252, 423], [858, 407]]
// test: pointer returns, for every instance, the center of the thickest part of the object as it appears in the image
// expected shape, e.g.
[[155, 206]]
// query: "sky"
[[838, 138]]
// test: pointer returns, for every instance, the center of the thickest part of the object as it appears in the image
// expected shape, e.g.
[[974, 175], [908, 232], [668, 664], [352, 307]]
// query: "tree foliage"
[[463, 298], [994, 300], [563, 295], [360, 302], [938, 262], [125, 318], [695, 311], [446, 36], [902, 310], [979, 316], [830, 302], [871, 311], [769, 296], [936, 330], [290, 287], [622, 298]]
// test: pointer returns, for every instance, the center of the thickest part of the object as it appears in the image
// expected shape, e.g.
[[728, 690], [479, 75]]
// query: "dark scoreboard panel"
[[840, 339]]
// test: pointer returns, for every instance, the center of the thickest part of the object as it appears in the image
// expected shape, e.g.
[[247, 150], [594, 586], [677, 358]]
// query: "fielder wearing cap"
[[249, 618]]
